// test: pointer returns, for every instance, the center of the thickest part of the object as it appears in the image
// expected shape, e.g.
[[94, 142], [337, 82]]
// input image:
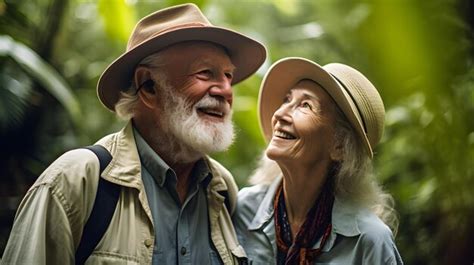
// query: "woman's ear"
[[337, 150], [145, 86]]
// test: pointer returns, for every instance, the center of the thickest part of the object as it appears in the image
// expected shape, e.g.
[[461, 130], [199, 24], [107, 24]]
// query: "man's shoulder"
[[71, 167], [218, 168], [71, 181], [220, 172]]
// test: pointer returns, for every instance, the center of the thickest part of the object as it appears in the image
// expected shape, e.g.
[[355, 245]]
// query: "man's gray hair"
[[125, 107]]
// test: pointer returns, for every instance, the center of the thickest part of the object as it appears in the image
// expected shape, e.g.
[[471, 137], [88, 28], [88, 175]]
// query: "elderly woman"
[[318, 203]]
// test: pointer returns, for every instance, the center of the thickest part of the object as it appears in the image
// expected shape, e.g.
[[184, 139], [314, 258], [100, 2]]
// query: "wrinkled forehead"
[[186, 56], [196, 48], [309, 87]]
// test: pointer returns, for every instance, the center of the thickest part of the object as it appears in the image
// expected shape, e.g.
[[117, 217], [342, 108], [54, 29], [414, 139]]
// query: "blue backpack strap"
[[102, 211]]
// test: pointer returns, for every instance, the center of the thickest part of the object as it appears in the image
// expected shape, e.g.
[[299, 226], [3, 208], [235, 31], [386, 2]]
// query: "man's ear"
[[145, 86]]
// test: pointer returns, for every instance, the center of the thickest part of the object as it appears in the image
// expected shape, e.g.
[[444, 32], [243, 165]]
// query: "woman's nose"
[[283, 113]]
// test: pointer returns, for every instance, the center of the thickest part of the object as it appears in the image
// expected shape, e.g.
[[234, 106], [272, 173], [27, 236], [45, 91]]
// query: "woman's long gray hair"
[[355, 180]]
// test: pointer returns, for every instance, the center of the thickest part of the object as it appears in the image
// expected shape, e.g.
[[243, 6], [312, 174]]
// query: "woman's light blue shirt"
[[358, 236]]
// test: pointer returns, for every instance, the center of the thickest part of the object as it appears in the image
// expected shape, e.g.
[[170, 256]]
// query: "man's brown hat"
[[170, 26]]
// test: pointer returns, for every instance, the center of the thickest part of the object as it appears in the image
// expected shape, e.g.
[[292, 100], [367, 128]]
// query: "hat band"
[[354, 101], [180, 26]]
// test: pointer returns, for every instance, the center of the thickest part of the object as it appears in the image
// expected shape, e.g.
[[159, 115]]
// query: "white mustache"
[[213, 103]]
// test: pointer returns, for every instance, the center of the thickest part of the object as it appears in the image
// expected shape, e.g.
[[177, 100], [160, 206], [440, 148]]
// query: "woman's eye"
[[229, 76], [307, 105]]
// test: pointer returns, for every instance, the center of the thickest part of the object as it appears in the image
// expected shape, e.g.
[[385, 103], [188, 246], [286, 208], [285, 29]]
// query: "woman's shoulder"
[[374, 239], [352, 219], [253, 192], [377, 238], [372, 227], [252, 202], [250, 197]]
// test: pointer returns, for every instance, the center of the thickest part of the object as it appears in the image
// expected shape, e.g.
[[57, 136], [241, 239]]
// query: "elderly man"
[[173, 203]]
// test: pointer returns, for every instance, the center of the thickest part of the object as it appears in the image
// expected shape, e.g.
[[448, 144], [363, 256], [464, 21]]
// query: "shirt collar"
[[344, 222], [344, 216], [202, 173], [158, 168], [265, 210]]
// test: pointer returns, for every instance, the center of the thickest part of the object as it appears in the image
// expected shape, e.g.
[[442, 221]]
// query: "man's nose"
[[222, 87]]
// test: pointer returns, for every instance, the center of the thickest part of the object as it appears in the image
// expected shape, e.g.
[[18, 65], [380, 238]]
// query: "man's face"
[[196, 100], [196, 69]]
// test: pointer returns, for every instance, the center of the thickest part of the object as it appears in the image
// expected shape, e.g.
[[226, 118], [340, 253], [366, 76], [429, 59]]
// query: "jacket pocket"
[[105, 258]]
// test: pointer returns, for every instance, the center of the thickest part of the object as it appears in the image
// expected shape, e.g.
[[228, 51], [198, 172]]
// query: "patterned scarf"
[[316, 225]]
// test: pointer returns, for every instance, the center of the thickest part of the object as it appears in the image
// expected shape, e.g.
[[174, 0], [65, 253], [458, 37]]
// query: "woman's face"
[[303, 126]]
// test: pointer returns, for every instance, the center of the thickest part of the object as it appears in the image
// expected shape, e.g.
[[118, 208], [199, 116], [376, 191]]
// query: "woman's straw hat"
[[353, 93], [170, 26]]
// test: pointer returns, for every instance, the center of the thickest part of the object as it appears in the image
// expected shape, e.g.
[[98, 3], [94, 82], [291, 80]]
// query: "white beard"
[[185, 136]]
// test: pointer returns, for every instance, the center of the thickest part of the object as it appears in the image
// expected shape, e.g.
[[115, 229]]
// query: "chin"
[[275, 155]]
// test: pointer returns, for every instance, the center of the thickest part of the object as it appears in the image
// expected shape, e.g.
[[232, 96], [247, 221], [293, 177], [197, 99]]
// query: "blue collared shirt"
[[357, 237], [181, 230]]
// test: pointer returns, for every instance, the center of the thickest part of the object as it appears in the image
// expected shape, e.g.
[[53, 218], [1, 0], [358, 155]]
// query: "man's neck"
[[182, 168], [183, 175], [176, 156]]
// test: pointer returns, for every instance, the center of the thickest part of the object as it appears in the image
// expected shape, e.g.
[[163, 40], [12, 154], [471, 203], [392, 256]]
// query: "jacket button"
[[148, 242], [183, 250]]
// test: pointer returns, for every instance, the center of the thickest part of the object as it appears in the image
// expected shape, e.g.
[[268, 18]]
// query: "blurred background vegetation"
[[419, 54]]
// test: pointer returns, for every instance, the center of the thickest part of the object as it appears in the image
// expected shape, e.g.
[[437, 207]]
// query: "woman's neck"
[[302, 186]]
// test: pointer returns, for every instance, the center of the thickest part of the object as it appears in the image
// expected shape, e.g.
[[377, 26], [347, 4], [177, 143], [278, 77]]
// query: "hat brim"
[[245, 53], [286, 73]]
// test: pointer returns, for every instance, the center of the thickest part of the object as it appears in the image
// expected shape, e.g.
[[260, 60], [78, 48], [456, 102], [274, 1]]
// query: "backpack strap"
[[102, 210]]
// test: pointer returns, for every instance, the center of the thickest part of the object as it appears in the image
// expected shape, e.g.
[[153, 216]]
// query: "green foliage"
[[14, 96], [41, 72], [417, 53], [118, 17]]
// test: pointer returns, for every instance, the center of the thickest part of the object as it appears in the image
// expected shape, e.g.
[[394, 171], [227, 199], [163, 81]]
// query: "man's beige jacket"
[[51, 217]]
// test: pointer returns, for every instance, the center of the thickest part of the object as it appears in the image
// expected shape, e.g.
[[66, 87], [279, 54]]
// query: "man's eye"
[[229, 76], [204, 74]]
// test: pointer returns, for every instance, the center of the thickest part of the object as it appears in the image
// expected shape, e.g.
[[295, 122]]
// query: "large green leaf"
[[41, 71], [15, 89]]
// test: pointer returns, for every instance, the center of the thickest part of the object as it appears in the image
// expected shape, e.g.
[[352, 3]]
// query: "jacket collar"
[[125, 167], [344, 218], [160, 170]]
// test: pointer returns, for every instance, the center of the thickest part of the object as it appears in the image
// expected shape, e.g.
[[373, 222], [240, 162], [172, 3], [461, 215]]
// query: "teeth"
[[284, 135], [213, 112]]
